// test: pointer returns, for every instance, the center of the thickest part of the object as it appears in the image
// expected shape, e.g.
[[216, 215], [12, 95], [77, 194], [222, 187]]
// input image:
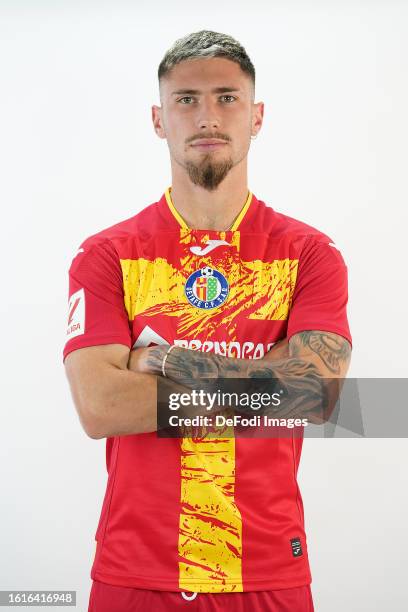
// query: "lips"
[[208, 141], [208, 144]]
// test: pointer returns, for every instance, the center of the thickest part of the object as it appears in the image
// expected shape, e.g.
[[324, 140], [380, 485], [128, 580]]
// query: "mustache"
[[209, 135]]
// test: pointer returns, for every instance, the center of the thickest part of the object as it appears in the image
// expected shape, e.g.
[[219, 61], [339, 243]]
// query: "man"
[[208, 281]]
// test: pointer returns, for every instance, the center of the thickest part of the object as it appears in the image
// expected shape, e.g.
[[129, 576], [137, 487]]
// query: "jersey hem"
[[137, 582]]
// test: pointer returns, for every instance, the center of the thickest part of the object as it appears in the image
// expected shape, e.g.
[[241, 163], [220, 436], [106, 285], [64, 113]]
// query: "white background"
[[78, 153]]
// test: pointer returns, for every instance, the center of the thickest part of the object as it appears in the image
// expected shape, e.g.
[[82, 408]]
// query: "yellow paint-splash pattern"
[[273, 288], [258, 290], [210, 528], [210, 536]]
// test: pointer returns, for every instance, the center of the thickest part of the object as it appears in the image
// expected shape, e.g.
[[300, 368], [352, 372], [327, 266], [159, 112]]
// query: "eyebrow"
[[196, 92]]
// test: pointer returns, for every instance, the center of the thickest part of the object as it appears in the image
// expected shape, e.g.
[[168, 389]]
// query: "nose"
[[208, 116]]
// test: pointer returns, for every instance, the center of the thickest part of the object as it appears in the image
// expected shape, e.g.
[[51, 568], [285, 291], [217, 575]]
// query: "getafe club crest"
[[206, 288]]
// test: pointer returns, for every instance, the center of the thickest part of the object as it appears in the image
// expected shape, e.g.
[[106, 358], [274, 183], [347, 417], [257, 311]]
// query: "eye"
[[185, 100], [228, 99]]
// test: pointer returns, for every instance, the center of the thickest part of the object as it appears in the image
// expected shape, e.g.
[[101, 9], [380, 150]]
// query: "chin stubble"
[[208, 174]]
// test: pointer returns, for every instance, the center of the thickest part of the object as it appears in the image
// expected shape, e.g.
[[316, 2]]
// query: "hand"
[[147, 360], [280, 350], [138, 360]]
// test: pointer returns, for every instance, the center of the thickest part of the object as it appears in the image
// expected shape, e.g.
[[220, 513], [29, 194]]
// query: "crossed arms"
[[115, 390]]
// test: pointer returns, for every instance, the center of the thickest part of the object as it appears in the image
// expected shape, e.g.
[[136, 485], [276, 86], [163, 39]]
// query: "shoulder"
[[121, 235], [304, 242], [278, 225], [107, 248]]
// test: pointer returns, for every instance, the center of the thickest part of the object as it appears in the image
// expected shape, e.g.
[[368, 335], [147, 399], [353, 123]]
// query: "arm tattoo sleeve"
[[308, 393], [333, 350]]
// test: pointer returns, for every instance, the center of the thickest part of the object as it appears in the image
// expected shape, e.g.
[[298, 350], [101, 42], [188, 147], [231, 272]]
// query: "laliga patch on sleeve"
[[76, 314]]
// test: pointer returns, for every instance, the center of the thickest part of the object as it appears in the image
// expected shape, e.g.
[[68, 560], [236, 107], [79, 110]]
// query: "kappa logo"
[[76, 314], [211, 245]]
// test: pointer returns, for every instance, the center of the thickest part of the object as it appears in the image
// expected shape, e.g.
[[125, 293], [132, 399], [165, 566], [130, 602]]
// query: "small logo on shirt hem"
[[296, 547]]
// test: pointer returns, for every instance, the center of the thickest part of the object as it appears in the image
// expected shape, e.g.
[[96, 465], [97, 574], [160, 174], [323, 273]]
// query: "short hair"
[[206, 43]]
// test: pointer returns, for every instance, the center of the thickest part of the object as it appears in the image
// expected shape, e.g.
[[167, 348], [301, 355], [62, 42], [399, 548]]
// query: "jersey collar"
[[184, 225]]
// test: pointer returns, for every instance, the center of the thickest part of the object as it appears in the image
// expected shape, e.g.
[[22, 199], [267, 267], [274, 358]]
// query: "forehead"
[[205, 74]]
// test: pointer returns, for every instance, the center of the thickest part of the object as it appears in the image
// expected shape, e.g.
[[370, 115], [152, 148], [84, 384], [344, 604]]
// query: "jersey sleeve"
[[96, 310], [321, 290]]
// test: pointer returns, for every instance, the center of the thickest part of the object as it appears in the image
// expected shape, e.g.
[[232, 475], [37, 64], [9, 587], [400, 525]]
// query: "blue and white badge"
[[206, 288]]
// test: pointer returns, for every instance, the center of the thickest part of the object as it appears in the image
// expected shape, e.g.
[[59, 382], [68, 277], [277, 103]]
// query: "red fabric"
[[284, 277], [108, 598], [320, 296], [97, 271]]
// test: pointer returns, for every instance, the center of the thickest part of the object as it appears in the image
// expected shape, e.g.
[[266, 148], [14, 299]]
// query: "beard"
[[208, 173]]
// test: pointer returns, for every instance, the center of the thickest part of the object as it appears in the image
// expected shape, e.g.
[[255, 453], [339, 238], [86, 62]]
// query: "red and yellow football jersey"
[[208, 514]]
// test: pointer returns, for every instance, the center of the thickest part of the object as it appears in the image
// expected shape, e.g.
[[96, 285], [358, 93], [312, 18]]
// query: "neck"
[[212, 210]]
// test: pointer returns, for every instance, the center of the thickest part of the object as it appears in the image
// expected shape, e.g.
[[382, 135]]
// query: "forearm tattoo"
[[308, 388], [333, 350]]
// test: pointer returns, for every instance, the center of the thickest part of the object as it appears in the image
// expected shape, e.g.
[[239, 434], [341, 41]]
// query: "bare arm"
[[112, 396], [314, 359], [110, 399]]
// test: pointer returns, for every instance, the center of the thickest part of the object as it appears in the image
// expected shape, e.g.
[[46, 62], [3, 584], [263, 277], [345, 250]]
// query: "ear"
[[257, 117], [157, 121]]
